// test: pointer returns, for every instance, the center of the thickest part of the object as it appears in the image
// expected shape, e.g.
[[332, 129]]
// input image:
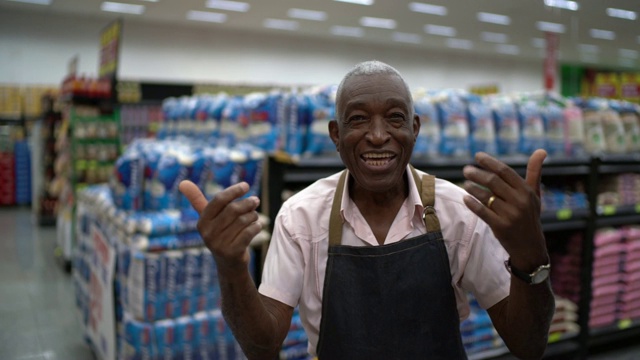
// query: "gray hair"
[[368, 68]]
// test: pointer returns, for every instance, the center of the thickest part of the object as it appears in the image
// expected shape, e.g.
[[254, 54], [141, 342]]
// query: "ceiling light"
[[407, 37], [122, 8], [150, 0], [550, 27], [588, 48], [347, 31], [440, 30], [307, 14], [460, 44], [279, 24], [494, 18], [206, 16], [628, 53], [590, 58], [35, 2], [378, 22], [627, 62], [428, 8], [538, 42], [228, 5], [494, 37], [359, 2], [622, 14], [602, 34], [562, 4], [508, 49]]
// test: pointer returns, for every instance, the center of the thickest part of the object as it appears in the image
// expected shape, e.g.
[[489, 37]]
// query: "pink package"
[[601, 321], [632, 233], [607, 236], [632, 277], [632, 297], [604, 301], [617, 278], [605, 271], [632, 266], [607, 289], [605, 310], [607, 260], [631, 307], [611, 249], [632, 315], [633, 256]]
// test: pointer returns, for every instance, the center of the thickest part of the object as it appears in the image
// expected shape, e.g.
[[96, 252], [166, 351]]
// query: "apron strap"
[[426, 186], [335, 220]]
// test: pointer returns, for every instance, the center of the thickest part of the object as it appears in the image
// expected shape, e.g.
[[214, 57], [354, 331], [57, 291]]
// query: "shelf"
[[564, 349], [622, 331], [618, 220], [613, 164], [564, 219]]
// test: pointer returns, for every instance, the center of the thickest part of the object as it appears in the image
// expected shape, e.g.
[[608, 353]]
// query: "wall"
[[35, 48]]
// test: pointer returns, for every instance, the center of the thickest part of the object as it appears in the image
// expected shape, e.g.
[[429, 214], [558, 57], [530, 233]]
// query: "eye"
[[356, 118]]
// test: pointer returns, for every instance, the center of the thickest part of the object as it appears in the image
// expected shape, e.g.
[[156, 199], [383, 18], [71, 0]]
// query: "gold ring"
[[491, 200]]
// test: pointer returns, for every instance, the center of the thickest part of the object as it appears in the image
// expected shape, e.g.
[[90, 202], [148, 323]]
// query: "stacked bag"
[[478, 333], [566, 269], [619, 190], [631, 276], [565, 320]]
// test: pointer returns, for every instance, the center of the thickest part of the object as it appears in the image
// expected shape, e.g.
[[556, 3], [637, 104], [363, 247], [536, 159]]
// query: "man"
[[379, 257]]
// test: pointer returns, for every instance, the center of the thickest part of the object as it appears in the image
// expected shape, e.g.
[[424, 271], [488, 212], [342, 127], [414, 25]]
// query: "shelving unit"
[[282, 173]]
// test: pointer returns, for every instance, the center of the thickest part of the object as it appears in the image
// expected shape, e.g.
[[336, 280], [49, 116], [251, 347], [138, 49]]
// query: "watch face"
[[540, 276]]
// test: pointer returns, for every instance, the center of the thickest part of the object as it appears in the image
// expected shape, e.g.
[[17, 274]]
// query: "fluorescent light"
[[508, 49], [150, 0], [562, 4], [307, 14], [460, 44], [35, 2], [622, 14], [206, 16], [494, 37], [440, 30], [588, 48], [550, 27], [494, 18], [428, 8], [228, 5], [538, 42], [590, 58], [407, 37], [378, 22], [280, 24], [347, 31], [628, 53], [602, 34], [122, 8], [359, 2], [627, 62]]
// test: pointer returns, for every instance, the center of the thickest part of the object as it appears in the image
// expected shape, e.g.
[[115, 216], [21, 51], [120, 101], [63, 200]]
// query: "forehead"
[[373, 88]]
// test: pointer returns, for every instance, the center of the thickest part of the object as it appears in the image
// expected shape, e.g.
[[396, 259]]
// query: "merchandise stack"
[[22, 174], [139, 122], [608, 281], [478, 334], [631, 292], [7, 167], [565, 320], [566, 268], [618, 191]]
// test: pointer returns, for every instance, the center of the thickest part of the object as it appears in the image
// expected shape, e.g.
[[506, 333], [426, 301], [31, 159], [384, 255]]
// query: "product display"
[[139, 122]]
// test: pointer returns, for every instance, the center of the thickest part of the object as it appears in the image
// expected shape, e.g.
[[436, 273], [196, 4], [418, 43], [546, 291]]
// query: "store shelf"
[[622, 331], [612, 164], [563, 349], [618, 220], [564, 219]]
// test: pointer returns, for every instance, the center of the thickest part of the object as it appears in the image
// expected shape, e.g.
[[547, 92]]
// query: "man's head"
[[375, 127]]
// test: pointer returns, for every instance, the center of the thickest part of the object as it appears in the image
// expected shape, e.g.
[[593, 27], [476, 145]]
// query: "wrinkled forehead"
[[372, 83]]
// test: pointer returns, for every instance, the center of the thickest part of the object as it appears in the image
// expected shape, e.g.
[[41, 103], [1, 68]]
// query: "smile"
[[377, 159]]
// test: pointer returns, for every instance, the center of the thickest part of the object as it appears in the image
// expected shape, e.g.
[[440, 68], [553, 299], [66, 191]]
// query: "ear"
[[416, 127], [334, 132]]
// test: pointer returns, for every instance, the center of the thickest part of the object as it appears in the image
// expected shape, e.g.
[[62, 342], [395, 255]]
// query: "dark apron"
[[390, 301]]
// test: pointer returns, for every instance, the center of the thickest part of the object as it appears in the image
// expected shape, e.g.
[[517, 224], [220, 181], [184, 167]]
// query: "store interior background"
[[162, 46]]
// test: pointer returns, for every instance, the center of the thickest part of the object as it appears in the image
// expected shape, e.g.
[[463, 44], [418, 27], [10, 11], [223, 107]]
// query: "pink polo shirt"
[[294, 270]]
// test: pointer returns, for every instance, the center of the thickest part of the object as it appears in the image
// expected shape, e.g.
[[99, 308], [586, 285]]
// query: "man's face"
[[375, 130]]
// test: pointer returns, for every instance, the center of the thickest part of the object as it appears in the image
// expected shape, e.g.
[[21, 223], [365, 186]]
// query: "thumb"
[[194, 195], [534, 170]]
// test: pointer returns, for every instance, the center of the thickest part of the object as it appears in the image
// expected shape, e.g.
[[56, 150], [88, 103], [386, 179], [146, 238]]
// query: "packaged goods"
[[531, 126], [454, 125], [233, 123], [428, 141], [507, 126], [265, 116], [482, 127], [321, 109], [126, 184], [555, 126]]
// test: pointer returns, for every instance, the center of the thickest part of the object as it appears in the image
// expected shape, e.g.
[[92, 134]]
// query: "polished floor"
[[38, 320]]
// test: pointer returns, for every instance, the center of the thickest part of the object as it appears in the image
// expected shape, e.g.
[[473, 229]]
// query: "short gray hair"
[[372, 67]]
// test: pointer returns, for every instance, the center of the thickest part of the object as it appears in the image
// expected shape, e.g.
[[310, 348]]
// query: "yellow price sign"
[[564, 214], [608, 210], [638, 208], [624, 324], [555, 337]]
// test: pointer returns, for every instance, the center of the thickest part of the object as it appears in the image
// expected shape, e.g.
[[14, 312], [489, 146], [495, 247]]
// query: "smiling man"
[[379, 257]]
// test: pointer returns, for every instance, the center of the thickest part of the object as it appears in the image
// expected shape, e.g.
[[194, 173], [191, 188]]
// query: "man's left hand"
[[514, 212]]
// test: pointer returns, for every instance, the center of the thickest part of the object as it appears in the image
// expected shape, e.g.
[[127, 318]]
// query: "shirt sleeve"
[[485, 274], [283, 269]]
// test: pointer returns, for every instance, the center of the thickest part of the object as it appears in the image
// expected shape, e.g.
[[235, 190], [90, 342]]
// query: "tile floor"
[[38, 320]]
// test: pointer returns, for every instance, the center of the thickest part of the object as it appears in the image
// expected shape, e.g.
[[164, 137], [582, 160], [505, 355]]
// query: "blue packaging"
[[193, 259], [162, 188], [126, 185], [227, 346], [507, 127], [297, 122], [321, 112], [251, 168], [139, 340], [166, 339], [186, 337], [481, 125], [298, 351], [532, 127], [223, 174], [428, 141], [146, 286], [262, 113], [295, 337], [205, 335], [554, 124], [232, 124], [166, 242], [174, 263], [454, 126]]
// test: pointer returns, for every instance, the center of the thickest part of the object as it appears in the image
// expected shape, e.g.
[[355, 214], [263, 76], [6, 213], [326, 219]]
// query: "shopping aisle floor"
[[38, 320]]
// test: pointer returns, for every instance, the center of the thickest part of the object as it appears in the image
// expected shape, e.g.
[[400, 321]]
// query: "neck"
[[368, 201]]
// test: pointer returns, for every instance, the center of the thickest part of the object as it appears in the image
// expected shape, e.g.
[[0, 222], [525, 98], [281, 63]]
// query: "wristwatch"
[[538, 276]]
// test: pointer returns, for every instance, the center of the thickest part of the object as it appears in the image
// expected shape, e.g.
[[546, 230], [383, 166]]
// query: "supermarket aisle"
[[37, 314]]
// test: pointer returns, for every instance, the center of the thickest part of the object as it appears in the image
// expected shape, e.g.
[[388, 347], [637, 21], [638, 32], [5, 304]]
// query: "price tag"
[[564, 214], [638, 208], [555, 337], [608, 210], [624, 324]]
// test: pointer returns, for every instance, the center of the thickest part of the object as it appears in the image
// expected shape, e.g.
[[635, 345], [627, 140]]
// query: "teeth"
[[377, 156]]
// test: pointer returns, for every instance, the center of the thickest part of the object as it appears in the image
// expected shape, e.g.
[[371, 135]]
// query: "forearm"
[[527, 317], [253, 326]]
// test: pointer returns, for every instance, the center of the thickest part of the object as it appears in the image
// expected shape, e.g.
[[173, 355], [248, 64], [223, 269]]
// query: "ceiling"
[[522, 38]]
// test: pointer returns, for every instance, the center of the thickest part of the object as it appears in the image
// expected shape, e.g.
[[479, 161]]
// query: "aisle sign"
[[550, 60], [101, 325], [630, 86], [109, 49], [606, 85]]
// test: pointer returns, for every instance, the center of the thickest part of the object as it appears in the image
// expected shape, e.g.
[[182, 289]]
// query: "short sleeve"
[[485, 274], [283, 269]]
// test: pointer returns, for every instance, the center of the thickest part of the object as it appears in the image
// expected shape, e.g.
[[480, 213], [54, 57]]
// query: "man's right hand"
[[226, 226]]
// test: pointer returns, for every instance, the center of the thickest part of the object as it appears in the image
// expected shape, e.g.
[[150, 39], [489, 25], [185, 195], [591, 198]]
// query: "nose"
[[378, 133]]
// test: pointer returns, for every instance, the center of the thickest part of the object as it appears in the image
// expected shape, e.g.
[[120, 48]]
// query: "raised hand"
[[226, 226], [510, 205]]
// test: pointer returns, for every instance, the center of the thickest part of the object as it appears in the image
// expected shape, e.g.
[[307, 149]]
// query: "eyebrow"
[[391, 101]]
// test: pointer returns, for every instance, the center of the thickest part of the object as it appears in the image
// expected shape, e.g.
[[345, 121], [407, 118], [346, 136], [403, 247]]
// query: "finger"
[[484, 213], [534, 170], [479, 192], [504, 171], [194, 195], [240, 224], [244, 236], [489, 180], [223, 198]]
